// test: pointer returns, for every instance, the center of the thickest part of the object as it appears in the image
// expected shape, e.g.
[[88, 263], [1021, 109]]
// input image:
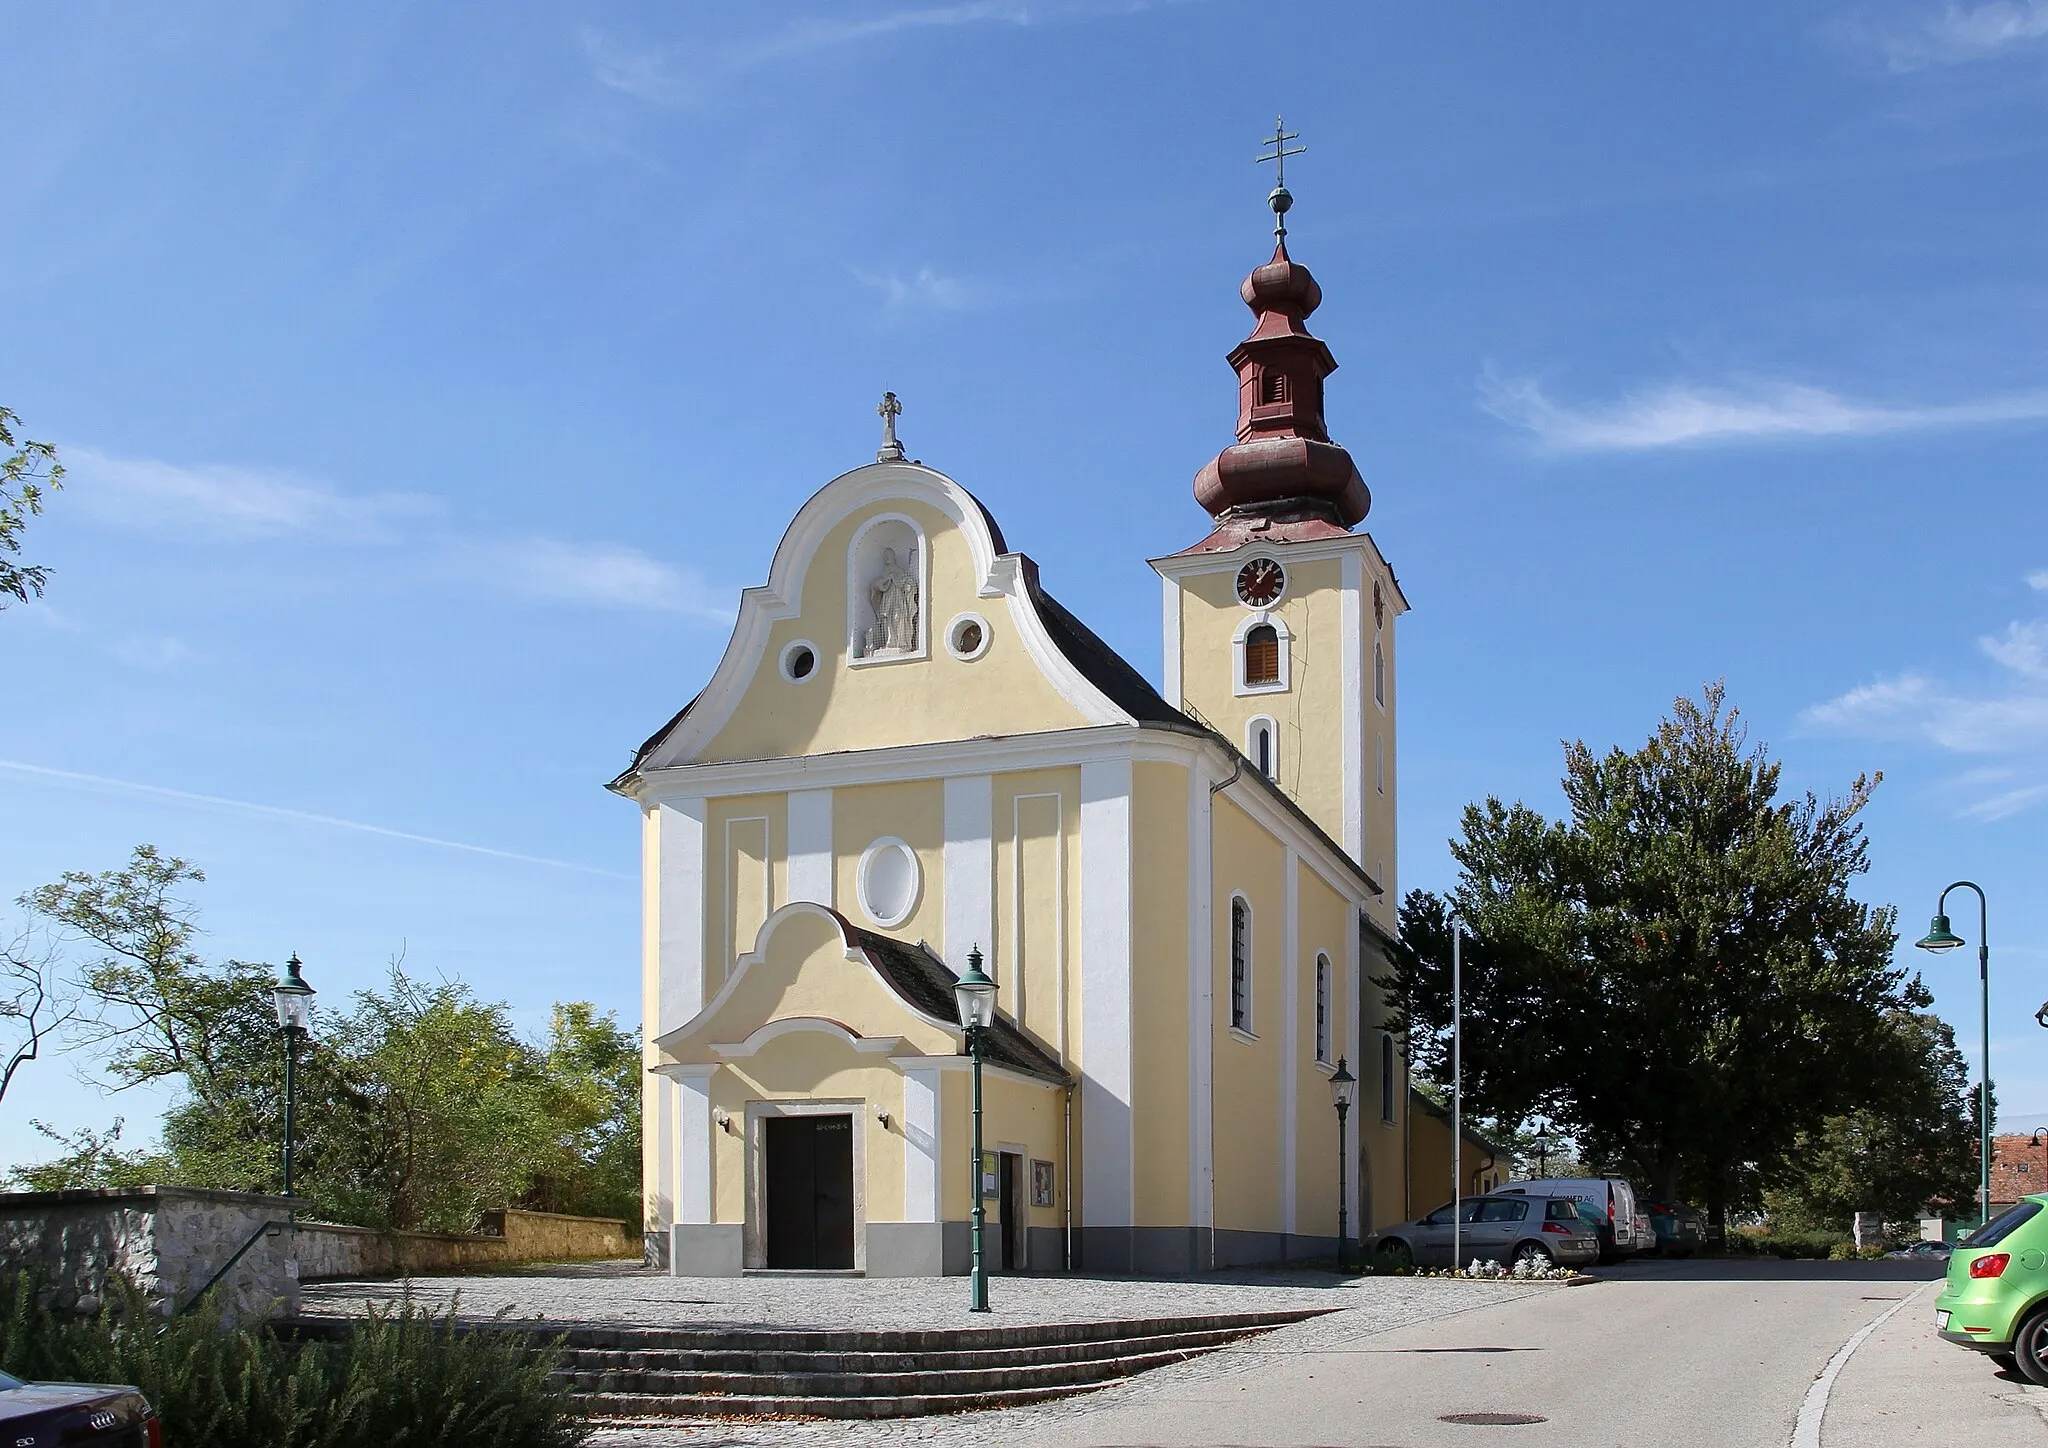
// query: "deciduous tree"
[[1676, 971], [29, 472]]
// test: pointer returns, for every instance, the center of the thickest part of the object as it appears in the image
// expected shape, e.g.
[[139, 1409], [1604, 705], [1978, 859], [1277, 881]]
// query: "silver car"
[[1504, 1229]]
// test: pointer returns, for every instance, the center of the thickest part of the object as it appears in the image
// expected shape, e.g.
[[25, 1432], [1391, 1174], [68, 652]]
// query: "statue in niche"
[[893, 596]]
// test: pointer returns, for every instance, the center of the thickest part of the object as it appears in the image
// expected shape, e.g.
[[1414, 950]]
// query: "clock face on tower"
[[1260, 583]]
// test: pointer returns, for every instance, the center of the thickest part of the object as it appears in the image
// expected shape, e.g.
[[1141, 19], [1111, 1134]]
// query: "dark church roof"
[[926, 984]]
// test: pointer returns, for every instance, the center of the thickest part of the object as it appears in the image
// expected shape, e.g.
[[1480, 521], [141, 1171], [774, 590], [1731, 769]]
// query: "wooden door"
[[809, 1182]]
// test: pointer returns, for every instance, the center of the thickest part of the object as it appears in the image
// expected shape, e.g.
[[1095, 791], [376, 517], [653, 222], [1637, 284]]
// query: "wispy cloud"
[[649, 74], [1683, 414], [607, 574], [2038, 580], [295, 816], [239, 505], [1920, 36], [223, 501], [2009, 719], [156, 655], [671, 74], [923, 289]]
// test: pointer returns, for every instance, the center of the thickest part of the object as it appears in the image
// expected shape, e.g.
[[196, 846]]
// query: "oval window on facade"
[[889, 882]]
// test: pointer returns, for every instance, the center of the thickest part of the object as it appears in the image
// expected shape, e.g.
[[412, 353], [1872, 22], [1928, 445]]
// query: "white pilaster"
[[1109, 1187], [680, 901], [970, 868], [1290, 1037], [810, 845], [921, 1138], [692, 1089], [1201, 1003], [1351, 598], [1352, 1013], [1170, 625], [659, 1102]]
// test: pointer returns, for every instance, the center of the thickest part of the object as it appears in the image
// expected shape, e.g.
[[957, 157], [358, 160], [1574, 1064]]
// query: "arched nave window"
[[1240, 964]]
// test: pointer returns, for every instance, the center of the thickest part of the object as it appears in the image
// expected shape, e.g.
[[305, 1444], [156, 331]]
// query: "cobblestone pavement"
[[1365, 1306], [612, 1293], [615, 1294]]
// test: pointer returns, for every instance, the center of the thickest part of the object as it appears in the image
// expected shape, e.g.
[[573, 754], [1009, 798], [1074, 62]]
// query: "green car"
[[1996, 1298]]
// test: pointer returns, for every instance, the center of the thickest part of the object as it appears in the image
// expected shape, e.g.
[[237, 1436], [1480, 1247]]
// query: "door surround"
[[754, 1241]]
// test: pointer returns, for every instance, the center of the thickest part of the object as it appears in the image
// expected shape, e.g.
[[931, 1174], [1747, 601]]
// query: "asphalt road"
[[1662, 1355]]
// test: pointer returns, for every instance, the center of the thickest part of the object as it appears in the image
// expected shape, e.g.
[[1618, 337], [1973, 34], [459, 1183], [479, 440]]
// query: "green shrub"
[[402, 1377]]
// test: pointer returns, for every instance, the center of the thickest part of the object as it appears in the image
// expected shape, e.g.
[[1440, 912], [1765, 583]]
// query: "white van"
[[1609, 1202]]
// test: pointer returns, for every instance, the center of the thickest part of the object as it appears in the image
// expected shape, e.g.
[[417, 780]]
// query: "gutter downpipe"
[[1067, 1196]]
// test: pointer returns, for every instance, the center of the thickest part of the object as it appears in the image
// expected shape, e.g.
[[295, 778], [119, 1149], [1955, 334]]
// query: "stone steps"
[[630, 1361], [680, 1372]]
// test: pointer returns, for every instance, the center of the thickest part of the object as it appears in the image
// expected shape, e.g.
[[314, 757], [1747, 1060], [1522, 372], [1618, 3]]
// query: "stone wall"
[[168, 1241], [327, 1251]]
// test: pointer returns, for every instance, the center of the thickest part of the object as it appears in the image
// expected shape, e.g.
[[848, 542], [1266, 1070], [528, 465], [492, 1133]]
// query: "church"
[[911, 750]]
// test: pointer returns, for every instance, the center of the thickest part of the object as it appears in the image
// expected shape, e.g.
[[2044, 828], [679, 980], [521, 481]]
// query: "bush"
[[402, 1377], [1789, 1246]]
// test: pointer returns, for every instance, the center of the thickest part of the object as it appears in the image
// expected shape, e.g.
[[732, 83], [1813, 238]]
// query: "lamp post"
[[1457, 924], [1342, 1086], [974, 995], [1542, 1148], [1939, 938], [294, 1001]]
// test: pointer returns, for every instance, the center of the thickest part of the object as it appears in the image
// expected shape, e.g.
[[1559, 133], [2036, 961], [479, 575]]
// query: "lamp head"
[[2042, 1015], [1343, 1085], [1939, 937], [293, 998], [974, 995]]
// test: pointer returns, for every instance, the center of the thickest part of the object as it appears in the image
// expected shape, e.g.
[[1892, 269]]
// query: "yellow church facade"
[[910, 750]]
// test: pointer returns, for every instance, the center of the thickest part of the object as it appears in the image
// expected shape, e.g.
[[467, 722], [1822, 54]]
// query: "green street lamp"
[[294, 1001], [974, 995], [1542, 1145], [1343, 1085], [1939, 938]]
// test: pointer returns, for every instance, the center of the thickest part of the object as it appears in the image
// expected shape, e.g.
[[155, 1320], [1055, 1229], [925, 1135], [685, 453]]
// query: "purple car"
[[75, 1415]]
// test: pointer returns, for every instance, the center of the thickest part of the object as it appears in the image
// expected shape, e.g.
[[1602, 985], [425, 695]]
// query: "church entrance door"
[[810, 1192]]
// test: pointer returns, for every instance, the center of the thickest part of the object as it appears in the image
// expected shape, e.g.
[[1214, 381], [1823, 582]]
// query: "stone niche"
[[887, 586]]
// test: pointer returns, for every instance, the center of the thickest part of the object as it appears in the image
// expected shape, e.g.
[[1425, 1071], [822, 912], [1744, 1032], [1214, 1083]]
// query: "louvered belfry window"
[[1272, 388], [1262, 655]]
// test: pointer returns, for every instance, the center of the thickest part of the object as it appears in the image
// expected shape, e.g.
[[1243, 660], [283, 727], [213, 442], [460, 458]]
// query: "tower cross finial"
[[1280, 199], [891, 451]]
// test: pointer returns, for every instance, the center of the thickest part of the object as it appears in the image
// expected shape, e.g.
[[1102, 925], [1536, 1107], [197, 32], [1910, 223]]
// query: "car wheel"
[[1535, 1252], [2030, 1347], [1393, 1255]]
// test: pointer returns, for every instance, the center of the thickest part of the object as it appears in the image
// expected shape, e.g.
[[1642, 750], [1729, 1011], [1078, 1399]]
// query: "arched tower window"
[[1379, 673], [1240, 965], [1323, 1008], [1262, 655], [1262, 745]]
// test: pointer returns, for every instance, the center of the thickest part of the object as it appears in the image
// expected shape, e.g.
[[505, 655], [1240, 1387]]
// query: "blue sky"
[[432, 379]]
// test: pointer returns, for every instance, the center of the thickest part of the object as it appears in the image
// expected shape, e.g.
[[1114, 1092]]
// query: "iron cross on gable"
[[1280, 199], [891, 451]]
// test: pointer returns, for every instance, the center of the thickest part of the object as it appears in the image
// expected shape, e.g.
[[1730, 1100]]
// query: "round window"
[[799, 661], [967, 636], [889, 882]]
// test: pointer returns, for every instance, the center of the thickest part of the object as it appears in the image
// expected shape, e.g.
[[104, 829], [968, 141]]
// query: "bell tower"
[[1279, 625]]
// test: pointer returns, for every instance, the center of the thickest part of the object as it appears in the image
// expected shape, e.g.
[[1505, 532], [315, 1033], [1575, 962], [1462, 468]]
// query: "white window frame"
[[789, 652], [1279, 626], [1243, 1032], [1251, 744], [1325, 998], [1379, 669]]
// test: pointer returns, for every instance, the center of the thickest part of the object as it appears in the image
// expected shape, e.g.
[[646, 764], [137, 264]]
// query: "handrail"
[[262, 1231]]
